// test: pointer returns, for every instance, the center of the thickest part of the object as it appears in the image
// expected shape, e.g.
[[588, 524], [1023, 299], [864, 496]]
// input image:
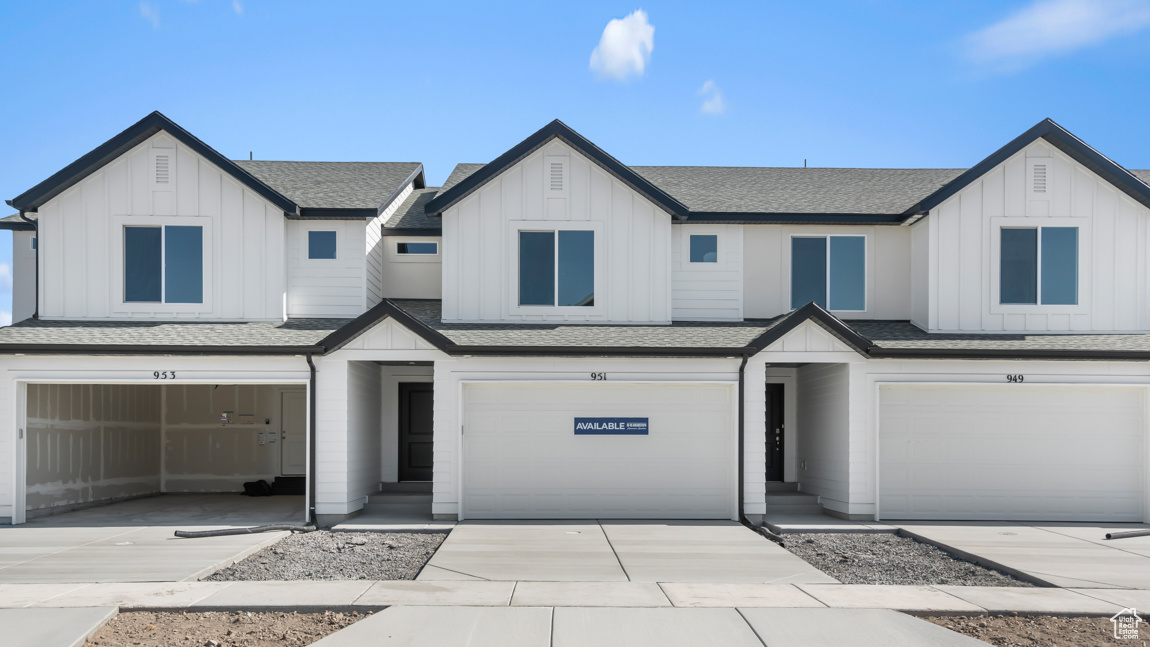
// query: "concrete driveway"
[[615, 551], [1060, 554], [133, 541]]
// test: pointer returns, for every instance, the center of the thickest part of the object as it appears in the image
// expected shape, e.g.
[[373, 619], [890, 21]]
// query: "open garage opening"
[[89, 445]]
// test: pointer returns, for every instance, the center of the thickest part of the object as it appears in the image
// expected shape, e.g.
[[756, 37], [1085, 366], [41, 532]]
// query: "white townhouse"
[[555, 334]]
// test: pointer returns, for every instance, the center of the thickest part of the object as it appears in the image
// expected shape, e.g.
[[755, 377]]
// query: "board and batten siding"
[[707, 291], [23, 275], [79, 230], [1114, 237], [824, 441], [767, 269], [633, 243], [327, 287]]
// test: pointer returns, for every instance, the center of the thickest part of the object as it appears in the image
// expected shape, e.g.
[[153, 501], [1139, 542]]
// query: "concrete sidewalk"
[[52, 627], [366, 595], [594, 627]]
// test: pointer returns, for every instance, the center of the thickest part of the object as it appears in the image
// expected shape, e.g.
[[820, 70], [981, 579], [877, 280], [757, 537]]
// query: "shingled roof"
[[292, 336], [336, 185], [411, 218]]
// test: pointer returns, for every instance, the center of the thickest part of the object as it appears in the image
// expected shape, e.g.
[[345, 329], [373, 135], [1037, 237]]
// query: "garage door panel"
[[1011, 452], [523, 460]]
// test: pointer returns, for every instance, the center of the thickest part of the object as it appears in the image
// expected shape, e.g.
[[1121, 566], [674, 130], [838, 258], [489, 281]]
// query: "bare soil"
[[220, 629], [1036, 631]]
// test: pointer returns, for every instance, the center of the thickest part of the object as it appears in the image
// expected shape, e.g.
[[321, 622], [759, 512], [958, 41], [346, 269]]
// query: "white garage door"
[[523, 460], [1011, 452]]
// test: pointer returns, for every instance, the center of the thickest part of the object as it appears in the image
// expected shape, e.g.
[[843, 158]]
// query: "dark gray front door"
[[774, 432], [415, 431]]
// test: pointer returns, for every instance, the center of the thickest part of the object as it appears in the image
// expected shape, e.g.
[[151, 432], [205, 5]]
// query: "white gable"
[[809, 337], [388, 335]]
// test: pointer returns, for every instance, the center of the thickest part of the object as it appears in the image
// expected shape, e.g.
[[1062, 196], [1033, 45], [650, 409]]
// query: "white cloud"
[[1050, 27], [625, 47], [151, 14], [713, 103], [238, 7]]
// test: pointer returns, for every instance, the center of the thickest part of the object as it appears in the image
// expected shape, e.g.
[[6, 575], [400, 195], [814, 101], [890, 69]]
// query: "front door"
[[293, 434], [774, 432], [415, 431]]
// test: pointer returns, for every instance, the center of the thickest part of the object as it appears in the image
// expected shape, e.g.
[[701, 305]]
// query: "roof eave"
[[140, 349]]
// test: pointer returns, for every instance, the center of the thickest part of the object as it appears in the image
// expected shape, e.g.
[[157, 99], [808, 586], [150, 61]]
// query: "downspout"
[[312, 477], [36, 233], [742, 468]]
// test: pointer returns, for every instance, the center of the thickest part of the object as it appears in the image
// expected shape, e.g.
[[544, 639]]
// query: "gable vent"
[[1039, 179], [163, 168], [555, 177]]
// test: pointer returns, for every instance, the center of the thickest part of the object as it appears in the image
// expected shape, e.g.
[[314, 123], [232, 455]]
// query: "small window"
[[829, 271], [164, 264], [704, 248], [33, 243], [1038, 266], [321, 244], [417, 248], [557, 268]]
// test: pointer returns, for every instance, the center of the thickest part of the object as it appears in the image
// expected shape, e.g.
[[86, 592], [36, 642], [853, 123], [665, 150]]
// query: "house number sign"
[[164, 375], [1015, 378]]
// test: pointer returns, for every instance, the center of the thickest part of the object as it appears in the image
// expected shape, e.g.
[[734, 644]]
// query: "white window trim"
[[866, 268], [720, 263], [995, 269], [394, 256], [517, 226], [304, 244], [116, 267]]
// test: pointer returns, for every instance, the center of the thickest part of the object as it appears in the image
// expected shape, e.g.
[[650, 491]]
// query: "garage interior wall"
[[202, 453], [392, 377], [99, 442], [823, 443], [91, 442]]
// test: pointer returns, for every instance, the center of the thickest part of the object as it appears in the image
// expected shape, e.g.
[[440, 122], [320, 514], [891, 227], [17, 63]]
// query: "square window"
[[704, 248], [321, 245], [1038, 266], [829, 271], [33, 243], [557, 268], [417, 248], [164, 264]]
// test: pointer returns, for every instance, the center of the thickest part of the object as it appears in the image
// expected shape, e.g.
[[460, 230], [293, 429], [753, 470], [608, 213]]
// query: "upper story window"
[[704, 248], [321, 244], [557, 268], [830, 271], [409, 248], [1039, 266], [164, 264], [33, 243]]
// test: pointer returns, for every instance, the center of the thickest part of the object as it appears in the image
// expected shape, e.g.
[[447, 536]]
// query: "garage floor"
[[615, 551], [133, 541], [1062, 554]]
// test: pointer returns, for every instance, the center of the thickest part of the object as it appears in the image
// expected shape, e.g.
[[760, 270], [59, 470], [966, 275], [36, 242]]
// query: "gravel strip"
[[323, 555], [220, 629], [887, 558], [1035, 631]]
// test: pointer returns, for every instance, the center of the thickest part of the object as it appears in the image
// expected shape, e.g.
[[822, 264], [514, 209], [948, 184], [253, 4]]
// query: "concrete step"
[[792, 503], [781, 486], [406, 486], [398, 503]]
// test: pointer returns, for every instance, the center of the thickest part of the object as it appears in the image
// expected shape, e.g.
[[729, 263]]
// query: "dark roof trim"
[[314, 213], [18, 225], [143, 349], [411, 231], [1061, 139], [32, 199], [415, 178], [1037, 353], [748, 218], [824, 319], [556, 130]]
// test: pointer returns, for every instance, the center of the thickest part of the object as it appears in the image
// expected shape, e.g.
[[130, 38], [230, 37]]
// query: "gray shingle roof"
[[332, 185], [411, 215], [905, 335], [291, 334], [1143, 175], [797, 190], [460, 173], [680, 334]]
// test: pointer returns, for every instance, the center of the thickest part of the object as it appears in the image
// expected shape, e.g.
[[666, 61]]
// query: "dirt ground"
[[1037, 631], [225, 628]]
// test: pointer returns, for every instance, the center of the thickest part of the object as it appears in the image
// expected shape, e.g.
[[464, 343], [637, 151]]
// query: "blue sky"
[[860, 83]]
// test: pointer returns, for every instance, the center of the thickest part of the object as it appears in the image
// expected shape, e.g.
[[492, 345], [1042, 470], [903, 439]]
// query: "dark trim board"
[[96, 349], [411, 231], [556, 130], [739, 218], [70, 175], [314, 213]]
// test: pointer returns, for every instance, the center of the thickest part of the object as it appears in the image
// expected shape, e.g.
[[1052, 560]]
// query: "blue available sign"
[[611, 426]]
